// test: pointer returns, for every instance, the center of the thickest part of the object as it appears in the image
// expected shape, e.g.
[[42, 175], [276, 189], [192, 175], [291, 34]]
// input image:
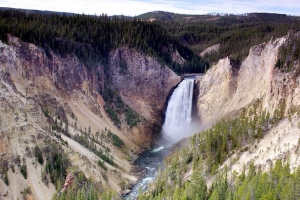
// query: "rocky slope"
[[226, 89], [39, 91], [209, 50]]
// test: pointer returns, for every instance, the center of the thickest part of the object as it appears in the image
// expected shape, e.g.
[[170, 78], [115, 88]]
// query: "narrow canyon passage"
[[176, 126]]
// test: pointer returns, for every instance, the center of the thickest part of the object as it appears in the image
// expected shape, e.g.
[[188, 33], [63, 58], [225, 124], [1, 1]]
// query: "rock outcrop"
[[210, 50], [216, 89], [68, 182]]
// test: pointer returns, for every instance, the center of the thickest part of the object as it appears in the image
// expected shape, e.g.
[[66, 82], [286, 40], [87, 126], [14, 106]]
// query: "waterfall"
[[176, 126], [179, 111]]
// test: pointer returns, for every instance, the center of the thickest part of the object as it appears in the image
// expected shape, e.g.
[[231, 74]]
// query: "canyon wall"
[[39, 90], [226, 89], [144, 85]]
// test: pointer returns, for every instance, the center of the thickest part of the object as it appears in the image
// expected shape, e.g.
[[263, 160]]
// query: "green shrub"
[[24, 170], [88, 143], [132, 118], [102, 164], [38, 154], [6, 181], [115, 139]]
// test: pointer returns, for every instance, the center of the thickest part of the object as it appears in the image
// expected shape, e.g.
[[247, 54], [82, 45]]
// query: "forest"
[[235, 33], [289, 53], [278, 183], [91, 38]]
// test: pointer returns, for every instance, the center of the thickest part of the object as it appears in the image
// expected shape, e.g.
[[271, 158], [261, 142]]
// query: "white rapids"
[[157, 149]]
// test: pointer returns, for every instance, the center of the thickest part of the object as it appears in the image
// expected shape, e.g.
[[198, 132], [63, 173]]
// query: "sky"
[[136, 7]]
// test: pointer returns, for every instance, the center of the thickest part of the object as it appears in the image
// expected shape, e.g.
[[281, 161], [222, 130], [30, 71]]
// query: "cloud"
[[136, 7], [237, 6]]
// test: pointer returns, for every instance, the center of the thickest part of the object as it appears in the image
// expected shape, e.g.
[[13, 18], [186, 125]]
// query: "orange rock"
[[68, 182]]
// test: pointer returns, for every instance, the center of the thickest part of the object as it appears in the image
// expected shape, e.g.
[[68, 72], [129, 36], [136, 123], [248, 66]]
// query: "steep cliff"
[[42, 95], [144, 84], [226, 89]]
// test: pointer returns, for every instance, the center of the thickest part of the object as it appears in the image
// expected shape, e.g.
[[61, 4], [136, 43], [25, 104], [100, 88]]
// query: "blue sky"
[[136, 7]]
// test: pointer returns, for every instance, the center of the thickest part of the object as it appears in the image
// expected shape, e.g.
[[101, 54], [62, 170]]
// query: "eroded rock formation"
[[40, 91], [225, 90]]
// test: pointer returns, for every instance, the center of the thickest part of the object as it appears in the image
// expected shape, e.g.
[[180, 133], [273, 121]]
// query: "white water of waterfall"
[[179, 111]]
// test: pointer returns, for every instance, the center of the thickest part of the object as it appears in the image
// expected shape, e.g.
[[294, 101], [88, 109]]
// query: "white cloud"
[[237, 6], [136, 7]]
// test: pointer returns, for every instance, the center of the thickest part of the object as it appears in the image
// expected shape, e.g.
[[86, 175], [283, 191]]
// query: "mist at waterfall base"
[[178, 124]]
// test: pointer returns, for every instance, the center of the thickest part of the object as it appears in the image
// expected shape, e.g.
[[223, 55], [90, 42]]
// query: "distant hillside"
[[168, 17], [235, 33], [41, 12], [218, 17]]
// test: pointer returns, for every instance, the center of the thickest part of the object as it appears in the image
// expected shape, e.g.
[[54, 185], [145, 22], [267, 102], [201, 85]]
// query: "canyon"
[[38, 91]]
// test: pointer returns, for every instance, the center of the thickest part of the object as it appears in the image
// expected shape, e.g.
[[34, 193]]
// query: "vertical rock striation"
[[225, 89], [144, 84]]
